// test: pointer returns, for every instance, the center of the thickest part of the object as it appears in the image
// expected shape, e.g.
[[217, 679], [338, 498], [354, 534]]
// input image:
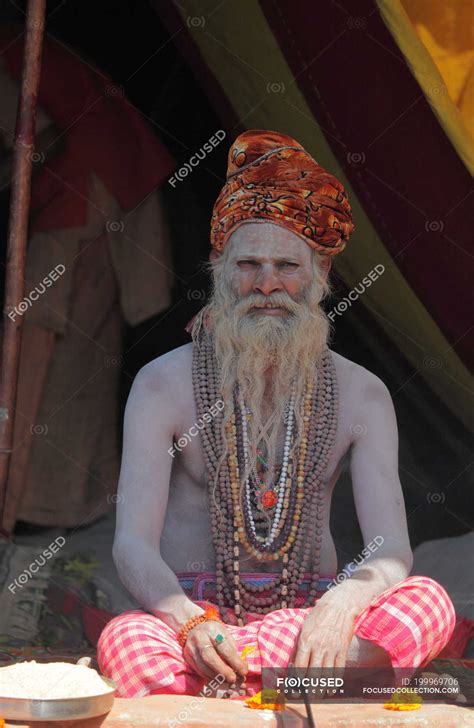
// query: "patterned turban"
[[271, 177]]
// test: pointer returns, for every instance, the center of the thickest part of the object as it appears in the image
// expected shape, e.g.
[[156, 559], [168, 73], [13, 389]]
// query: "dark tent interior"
[[136, 46]]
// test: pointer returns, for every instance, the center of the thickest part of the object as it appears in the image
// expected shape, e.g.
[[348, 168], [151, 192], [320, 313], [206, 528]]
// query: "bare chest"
[[187, 535]]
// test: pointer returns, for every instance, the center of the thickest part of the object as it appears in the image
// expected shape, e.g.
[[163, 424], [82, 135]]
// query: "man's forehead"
[[266, 240]]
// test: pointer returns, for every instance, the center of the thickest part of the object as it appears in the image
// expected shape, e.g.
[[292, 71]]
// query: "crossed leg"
[[406, 626]]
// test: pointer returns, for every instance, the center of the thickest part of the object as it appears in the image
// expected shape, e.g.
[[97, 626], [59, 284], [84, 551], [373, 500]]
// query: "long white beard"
[[266, 355]]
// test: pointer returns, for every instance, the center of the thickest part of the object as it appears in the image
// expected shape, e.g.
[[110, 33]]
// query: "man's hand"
[[325, 637], [209, 660]]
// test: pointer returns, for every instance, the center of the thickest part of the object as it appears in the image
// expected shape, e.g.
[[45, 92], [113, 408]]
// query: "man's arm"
[[150, 418], [328, 629], [378, 498], [150, 422]]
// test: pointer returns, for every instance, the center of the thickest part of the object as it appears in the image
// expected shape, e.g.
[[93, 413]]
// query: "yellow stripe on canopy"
[[240, 50], [429, 78]]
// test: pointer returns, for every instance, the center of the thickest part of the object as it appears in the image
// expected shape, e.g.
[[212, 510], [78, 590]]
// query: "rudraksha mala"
[[211, 613], [298, 535]]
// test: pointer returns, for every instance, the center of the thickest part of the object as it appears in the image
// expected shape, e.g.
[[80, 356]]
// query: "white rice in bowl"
[[47, 681]]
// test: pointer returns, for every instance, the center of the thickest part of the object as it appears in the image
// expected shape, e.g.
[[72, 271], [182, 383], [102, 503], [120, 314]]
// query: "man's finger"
[[211, 658], [302, 657], [197, 665], [228, 652], [203, 669], [326, 660], [328, 665], [318, 655], [291, 661], [320, 660]]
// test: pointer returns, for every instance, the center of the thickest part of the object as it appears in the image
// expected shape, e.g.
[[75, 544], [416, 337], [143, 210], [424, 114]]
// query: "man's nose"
[[267, 281]]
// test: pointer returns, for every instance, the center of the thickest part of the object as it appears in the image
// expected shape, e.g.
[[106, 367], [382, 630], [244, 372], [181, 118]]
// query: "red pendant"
[[269, 499]]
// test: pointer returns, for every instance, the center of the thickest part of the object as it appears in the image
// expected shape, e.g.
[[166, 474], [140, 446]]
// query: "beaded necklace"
[[273, 497], [296, 533]]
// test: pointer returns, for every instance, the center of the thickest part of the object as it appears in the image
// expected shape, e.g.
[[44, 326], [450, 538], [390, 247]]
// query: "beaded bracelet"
[[210, 613]]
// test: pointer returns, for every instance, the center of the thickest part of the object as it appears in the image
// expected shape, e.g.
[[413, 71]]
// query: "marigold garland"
[[408, 699], [259, 701]]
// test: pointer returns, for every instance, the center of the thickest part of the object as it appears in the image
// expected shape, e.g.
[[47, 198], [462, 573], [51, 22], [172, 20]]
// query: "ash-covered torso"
[[187, 540]]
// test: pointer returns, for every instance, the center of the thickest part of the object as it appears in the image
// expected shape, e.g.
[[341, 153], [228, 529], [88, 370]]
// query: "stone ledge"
[[175, 711]]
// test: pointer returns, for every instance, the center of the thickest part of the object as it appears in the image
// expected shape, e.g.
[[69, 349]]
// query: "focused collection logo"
[[306, 685]]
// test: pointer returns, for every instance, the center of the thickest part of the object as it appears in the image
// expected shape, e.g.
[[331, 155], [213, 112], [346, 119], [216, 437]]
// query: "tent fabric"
[[101, 132], [443, 77], [445, 30], [427, 206], [340, 85]]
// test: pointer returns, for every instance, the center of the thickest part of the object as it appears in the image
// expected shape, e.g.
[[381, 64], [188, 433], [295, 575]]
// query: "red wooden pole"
[[17, 234]]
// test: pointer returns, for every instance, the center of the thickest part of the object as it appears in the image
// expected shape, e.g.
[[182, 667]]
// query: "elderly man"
[[232, 448]]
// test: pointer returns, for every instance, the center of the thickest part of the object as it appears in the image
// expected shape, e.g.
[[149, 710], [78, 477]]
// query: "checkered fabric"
[[412, 621]]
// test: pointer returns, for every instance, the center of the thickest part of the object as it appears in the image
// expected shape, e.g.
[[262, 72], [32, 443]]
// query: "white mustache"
[[268, 305], [276, 302]]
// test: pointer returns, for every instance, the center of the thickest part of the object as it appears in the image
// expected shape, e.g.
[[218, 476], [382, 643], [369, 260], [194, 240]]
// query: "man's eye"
[[246, 262], [288, 265]]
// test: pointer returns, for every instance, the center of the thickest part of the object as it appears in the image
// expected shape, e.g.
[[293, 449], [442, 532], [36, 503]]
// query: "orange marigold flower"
[[408, 699], [263, 701]]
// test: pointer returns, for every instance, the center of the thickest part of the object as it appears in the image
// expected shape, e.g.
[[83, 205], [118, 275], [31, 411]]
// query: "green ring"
[[219, 638]]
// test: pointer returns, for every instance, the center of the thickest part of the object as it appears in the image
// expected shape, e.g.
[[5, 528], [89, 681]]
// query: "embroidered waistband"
[[202, 586]]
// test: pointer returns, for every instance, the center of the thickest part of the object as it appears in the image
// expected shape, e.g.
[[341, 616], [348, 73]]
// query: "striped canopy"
[[364, 95]]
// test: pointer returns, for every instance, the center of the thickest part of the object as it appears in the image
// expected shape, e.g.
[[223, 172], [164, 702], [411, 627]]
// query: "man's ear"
[[214, 255], [325, 263]]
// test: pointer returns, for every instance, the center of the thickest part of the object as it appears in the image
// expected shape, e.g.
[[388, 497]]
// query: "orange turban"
[[271, 177]]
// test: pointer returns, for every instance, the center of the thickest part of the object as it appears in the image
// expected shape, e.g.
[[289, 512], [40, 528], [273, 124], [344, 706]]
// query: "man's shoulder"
[[170, 372], [355, 378]]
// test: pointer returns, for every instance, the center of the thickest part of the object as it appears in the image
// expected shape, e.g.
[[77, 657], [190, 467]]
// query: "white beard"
[[265, 355]]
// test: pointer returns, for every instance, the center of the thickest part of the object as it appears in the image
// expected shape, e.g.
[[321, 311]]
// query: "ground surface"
[[184, 711]]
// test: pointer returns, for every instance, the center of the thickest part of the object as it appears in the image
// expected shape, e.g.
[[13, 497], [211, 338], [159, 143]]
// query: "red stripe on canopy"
[[407, 175]]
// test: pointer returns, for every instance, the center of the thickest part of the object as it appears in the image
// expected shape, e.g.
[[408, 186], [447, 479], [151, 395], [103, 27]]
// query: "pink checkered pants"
[[412, 621]]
